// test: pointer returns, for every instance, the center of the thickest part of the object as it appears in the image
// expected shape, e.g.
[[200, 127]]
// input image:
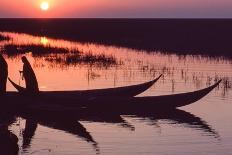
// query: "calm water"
[[201, 128]]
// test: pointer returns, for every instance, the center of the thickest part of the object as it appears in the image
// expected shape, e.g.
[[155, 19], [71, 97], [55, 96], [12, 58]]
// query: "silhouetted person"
[[29, 76], [3, 74]]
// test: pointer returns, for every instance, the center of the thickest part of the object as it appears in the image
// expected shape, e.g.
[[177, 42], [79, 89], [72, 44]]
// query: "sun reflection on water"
[[44, 41]]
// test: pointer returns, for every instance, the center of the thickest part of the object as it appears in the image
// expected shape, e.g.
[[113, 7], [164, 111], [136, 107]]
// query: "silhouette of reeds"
[[59, 55], [4, 38], [77, 58], [36, 50]]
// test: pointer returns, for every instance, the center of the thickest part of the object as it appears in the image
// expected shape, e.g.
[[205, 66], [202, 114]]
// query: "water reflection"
[[72, 126], [65, 65], [179, 117], [44, 41], [109, 119], [29, 132], [67, 124], [8, 140]]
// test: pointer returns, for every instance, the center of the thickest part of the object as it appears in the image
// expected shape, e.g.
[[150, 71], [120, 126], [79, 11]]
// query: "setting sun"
[[44, 6]]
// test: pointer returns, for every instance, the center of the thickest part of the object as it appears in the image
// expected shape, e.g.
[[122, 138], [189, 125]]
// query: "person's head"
[[24, 59]]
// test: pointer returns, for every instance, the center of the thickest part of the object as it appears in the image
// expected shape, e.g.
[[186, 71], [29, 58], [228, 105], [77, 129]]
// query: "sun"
[[44, 6]]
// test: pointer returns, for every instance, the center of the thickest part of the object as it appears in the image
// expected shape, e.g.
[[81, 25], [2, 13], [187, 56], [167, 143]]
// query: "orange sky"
[[117, 8]]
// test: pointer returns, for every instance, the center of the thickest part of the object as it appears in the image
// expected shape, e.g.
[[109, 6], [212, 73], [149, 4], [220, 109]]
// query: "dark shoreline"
[[211, 37]]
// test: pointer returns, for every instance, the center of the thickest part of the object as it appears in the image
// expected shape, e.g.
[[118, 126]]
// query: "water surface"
[[201, 128]]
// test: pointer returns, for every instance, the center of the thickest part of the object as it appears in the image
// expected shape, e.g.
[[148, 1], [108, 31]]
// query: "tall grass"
[[59, 55], [77, 58], [4, 38], [36, 50]]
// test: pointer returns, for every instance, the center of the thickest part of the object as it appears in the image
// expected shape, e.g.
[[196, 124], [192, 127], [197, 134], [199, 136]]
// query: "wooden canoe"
[[121, 105], [127, 91]]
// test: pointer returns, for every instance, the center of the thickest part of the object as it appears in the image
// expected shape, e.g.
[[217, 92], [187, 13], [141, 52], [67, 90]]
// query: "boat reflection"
[[71, 125], [181, 117], [67, 124], [109, 119], [28, 133]]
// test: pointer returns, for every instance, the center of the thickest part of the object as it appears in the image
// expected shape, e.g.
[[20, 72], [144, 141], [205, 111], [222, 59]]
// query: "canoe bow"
[[126, 91]]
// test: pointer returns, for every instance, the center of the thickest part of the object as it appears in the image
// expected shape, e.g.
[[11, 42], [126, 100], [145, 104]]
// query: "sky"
[[117, 9]]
